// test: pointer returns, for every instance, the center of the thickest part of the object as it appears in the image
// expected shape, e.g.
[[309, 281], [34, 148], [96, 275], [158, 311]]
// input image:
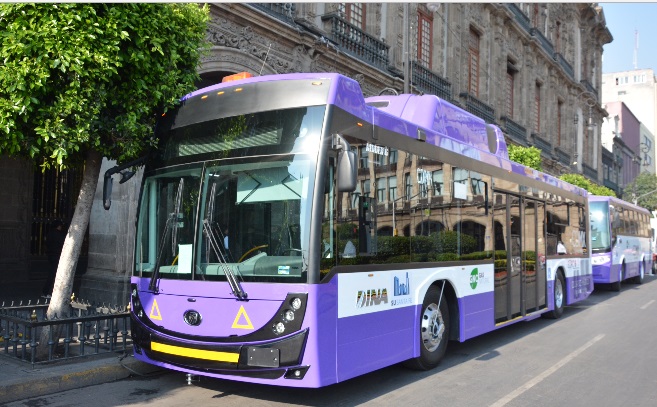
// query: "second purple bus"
[[620, 241]]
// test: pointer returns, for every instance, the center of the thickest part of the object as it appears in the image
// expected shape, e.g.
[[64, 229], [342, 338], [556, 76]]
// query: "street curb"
[[47, 380]]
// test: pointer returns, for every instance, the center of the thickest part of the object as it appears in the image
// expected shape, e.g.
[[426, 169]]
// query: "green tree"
[[79, 82], [527, 156], [644, 190], [584, 183]]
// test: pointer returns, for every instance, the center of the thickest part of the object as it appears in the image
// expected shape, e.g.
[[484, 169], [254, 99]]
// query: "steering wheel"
[[253, 249]]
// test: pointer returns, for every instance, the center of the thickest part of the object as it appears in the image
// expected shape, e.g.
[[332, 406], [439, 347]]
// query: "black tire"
[[433, 325], [616, 286], [559, 291]]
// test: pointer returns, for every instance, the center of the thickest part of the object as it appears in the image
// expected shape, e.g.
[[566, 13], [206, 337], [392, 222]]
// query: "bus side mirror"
[[347, 175], [107, 190]]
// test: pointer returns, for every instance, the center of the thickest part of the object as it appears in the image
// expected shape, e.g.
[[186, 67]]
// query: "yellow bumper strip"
[[195, 353]]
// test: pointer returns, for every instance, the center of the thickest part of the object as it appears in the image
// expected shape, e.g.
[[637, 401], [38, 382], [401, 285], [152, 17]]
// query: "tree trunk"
[[60, 302]]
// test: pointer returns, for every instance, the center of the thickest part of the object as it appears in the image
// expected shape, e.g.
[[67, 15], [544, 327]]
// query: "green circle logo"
[[474, 278]]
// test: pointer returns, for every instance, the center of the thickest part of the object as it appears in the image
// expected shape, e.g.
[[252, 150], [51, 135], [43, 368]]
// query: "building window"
[[537, 108], [408, 185], [392, 188], [392, 158], [364, 161], [473, 63], [437, 181], [425, 39], [510, 85], [366, 187], [354, 13], [557, 37], [535, 14], [380, 189]]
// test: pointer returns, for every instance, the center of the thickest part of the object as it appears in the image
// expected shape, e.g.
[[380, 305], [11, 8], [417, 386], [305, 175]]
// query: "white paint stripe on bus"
[[536, 380], [648, 304]]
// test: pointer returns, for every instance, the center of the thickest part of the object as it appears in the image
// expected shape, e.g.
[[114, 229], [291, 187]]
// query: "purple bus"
[[292, 232], [620, 241]]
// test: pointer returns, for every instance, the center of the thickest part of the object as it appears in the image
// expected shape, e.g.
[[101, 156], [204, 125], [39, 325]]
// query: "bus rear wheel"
[[434, 331], [559, 297]]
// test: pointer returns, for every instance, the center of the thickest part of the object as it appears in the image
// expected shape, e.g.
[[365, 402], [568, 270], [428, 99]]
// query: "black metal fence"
[[86, 331]]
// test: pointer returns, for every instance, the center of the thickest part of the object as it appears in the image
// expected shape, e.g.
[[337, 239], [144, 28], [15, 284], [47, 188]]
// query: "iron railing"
[[590, 172], [429, 82], [542, 144], [478, 108], [282, 11], [565, 65], [590, 88], [545, 43], [521, 17], [562, 156], [87, 331], [357, 42], [515, 131]]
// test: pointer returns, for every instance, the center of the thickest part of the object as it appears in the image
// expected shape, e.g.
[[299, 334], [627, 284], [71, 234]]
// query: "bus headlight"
[[296, 303], [279, 328], [598, 260], [289, 315]]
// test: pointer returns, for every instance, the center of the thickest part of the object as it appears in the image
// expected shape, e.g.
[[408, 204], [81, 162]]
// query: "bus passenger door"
[[508, 248]]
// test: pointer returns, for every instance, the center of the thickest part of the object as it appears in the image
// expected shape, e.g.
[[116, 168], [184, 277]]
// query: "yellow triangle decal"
[[155, 311], [242, 313]]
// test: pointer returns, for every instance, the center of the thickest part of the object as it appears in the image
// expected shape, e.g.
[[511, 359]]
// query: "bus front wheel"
[[434, 331], [616, 286]]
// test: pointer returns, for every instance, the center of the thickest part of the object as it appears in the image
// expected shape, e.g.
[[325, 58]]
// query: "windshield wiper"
[[235, 286], [173, 217]]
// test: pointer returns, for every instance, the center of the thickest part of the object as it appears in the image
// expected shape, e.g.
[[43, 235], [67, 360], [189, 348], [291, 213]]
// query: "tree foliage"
[[584, 183], [644, 190], [527, 156], [77, 77], [83, 81]]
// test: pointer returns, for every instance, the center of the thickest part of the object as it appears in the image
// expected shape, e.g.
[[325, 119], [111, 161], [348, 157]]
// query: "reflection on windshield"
[[600, 237], [259, 213]]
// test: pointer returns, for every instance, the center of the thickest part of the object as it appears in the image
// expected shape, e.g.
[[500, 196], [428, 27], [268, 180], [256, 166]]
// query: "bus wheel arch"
[[434, 324], [642, 271], [616, 286]]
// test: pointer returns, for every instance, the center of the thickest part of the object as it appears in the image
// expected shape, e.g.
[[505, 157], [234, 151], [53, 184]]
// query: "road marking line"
[[536, 380], [648, 304]]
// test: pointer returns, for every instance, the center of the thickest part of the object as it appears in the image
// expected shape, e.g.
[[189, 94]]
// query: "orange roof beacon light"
[[236, 77]]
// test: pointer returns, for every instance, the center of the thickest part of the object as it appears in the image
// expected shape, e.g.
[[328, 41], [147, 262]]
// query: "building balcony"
[[521, 17], [545, 43], [478, 108], [357, 42], [589, 87], [562, 156], [564, 65], [542, 144], [282, 11], [590, 172], [515, 131], [429, 82]]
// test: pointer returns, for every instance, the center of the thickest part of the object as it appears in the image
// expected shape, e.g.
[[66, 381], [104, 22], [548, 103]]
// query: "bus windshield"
[[224, 209], [600, 231]]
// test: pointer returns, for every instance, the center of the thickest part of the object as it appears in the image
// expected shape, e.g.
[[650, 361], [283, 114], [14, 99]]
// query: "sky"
[[623, 20]]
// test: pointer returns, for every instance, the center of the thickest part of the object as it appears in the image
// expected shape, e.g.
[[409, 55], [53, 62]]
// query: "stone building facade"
[[534, 69]]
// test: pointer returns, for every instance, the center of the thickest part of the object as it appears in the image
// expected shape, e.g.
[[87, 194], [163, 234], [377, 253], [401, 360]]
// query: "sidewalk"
[[18, 380]]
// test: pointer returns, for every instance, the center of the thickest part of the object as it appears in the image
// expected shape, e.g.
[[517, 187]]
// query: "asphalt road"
[[602, 352]]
